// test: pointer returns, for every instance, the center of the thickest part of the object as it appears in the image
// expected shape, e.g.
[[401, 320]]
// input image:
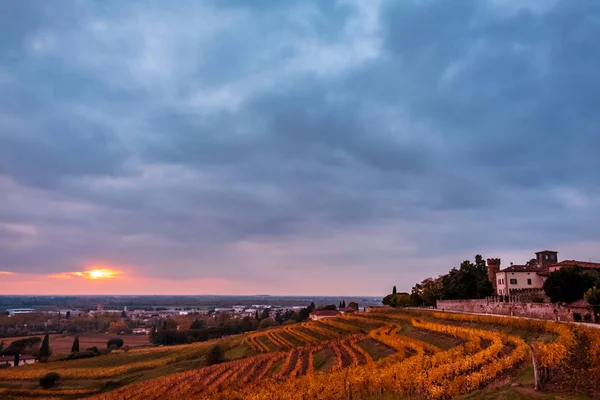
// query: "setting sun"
[[94, 273], [101, 274]]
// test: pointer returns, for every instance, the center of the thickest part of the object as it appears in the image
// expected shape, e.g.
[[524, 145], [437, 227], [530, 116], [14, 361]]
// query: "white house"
[[317, 315], [518, 277]]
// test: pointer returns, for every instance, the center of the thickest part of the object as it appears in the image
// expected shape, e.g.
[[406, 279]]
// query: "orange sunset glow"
[[94, 274]]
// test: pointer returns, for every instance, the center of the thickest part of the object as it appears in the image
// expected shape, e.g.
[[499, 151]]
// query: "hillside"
[[379, 355]]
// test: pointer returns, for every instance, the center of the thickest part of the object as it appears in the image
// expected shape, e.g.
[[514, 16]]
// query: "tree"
[[470, 281], [21, 345], [394, 290], [531, 263], [45, 349], [215, 355], [197, 324], [343, 303], [279, 317], [267, 323], [153, 335], [256, 315], [75, 347], [118, 327], [17, 359], [415, 300], [114, 343], [312, 307], [265, 314], [569, 284], [428, 291], [328, 307], [123, 314], [397, 300], [164, 333], [592, 296], [1, 345], [68, 315], [340, 306], [353, 304]]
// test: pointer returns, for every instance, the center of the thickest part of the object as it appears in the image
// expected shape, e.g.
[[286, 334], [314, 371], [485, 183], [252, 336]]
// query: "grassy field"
[[384, 355], [61, 344]]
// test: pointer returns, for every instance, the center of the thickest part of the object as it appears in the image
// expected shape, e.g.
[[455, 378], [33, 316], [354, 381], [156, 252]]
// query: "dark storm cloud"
[[154, 135]]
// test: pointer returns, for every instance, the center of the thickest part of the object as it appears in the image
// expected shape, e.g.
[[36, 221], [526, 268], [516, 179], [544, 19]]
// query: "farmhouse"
[[317, 315], [23, 359], [528, 277]]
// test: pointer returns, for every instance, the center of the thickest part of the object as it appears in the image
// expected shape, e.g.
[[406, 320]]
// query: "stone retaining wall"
[[546, 311]]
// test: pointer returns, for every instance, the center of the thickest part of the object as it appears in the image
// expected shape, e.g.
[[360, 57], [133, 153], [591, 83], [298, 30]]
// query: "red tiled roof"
[[23, 357], [520, 268], [579, 304], [325, 312], [348, 309], [573, 263]]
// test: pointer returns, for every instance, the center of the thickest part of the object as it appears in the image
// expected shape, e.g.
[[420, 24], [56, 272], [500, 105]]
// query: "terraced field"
[[386, 354]]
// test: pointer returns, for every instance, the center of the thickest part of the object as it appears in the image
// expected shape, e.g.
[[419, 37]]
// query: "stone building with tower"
[[526, 278]]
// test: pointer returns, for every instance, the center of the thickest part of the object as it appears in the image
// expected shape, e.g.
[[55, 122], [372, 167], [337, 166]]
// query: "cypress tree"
[[45, 349], [153, 338], [17, 359], [164, 338], [394, 290], [75, 347]]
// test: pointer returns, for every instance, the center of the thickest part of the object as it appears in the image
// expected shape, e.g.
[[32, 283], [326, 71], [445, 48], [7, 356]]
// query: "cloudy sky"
[[292, 147]]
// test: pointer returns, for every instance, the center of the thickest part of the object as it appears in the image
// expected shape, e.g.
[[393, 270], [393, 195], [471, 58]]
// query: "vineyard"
[[383, 354]]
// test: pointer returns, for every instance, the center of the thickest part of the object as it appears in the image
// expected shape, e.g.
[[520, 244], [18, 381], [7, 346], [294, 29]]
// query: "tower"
[[546, 258], [493, 265]]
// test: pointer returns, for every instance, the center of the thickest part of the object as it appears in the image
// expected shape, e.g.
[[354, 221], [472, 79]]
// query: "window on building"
[[513, 281], [529, 281]]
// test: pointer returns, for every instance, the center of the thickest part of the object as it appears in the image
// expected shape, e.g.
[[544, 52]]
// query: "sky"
[[292, 147]]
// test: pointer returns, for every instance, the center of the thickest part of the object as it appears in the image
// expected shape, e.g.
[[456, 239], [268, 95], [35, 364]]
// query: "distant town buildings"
[[14, 311]]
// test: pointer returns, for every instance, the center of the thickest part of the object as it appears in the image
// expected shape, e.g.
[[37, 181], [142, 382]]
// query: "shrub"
[[49, 380], [267, 323], [115, 343], [215, 355], [577, 317]]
